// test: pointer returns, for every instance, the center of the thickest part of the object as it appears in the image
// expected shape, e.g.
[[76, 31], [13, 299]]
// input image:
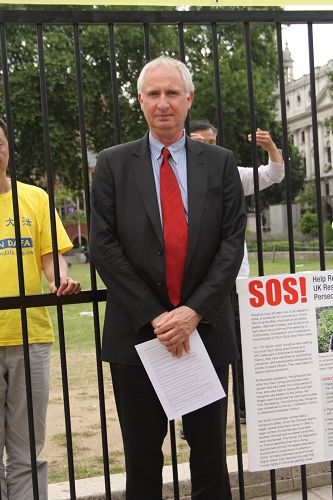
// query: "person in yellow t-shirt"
[[36, 241]]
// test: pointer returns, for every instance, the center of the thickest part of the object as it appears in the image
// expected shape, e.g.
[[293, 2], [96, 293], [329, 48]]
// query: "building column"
[[308, 155], [321, 148]]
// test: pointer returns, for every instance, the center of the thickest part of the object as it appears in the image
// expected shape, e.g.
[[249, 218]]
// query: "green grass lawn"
[[281, 266], [79, 326]]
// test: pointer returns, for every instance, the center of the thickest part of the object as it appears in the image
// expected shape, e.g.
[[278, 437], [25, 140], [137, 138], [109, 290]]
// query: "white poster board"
[[286, 326]]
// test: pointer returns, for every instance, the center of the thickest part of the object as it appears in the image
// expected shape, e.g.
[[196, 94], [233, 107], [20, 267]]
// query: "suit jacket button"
[[159, 251], [159, 283]]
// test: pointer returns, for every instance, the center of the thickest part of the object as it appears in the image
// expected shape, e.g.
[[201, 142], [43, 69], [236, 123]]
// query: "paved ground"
[[94, 489], [322, 493]]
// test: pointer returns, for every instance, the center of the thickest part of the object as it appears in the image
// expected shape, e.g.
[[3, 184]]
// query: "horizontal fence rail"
[[146, 21], [62, 17]]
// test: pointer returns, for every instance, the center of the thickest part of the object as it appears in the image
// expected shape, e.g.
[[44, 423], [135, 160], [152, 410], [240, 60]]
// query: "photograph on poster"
[[324, 319]]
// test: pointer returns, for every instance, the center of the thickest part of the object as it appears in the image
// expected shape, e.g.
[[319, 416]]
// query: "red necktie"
[[174, 229]]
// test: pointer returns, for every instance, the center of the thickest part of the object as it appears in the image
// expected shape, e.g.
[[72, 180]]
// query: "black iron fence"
[[144, 20]]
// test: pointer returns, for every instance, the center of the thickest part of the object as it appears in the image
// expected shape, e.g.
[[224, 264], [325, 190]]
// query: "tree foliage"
[[26, 103], [309, 224], [307, 196], [328, 232], [99, 94], [234, 94]]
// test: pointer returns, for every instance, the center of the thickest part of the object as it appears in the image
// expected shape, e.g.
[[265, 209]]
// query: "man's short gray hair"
[[171, 62]]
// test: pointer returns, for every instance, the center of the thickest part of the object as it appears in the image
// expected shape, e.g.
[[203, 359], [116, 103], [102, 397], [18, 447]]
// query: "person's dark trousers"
[[205, 431], [240, 375], [144, 427]]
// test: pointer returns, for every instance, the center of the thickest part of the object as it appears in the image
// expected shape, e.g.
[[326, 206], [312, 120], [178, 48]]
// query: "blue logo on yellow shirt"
[[11, 243]]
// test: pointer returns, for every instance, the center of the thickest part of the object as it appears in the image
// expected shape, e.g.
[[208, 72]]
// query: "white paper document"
[[181, 384]]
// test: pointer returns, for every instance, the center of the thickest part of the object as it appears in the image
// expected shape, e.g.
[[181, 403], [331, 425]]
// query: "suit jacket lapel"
[[196, 185], [143, 173], [197, 188]]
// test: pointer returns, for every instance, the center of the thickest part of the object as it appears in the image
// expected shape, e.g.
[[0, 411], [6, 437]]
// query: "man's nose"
[[163, 101]]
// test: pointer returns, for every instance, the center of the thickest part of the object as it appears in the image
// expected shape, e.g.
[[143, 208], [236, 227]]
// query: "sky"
[[297, 37]]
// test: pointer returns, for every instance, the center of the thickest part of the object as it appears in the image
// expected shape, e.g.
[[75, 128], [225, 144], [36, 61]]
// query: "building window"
[[302, 137], [329, 155], [327, 188], [298, 99], [288, 103], [304, 166]]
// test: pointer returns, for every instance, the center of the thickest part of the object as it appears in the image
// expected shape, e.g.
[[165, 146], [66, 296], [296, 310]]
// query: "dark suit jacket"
[[126, 246]]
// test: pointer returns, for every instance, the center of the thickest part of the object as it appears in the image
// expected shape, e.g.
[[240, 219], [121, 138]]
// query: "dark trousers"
[[144, 426]]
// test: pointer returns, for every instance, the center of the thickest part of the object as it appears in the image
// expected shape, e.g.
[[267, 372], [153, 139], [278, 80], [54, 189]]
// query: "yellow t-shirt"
[[36, 241]]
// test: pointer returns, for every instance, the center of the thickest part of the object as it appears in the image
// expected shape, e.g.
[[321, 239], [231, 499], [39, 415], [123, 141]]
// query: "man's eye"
[[153, 94], [173, 93]]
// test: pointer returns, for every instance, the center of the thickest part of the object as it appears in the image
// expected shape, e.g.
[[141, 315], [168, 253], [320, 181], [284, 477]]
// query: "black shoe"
[[181, 433], [242, 416]]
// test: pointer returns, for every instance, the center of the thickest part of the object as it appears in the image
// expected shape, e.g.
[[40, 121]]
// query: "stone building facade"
[[299, 117]]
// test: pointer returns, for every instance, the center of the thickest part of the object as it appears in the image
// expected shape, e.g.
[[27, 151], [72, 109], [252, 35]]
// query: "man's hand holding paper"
[[174, 329]]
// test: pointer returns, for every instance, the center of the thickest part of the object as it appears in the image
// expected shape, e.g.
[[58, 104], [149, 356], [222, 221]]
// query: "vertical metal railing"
[[60, 317], [97, 330], [248, 52], [218, 86], [181, 44], [146, 42], [114, 81], [316, 147], [285, 149], [172, 430], [21, 284], [235, 383], [214, 25]]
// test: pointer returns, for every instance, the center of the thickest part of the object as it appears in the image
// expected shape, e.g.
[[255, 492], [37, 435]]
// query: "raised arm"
[[265, 141], [269, 174]]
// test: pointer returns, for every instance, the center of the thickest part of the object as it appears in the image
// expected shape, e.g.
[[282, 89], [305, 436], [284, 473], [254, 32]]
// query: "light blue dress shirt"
[[178, 164]]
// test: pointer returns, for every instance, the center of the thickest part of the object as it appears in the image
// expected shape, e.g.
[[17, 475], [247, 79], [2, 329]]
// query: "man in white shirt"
[[269, 174]]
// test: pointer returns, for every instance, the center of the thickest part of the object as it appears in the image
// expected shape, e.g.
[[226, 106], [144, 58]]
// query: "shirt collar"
[[175, 149]]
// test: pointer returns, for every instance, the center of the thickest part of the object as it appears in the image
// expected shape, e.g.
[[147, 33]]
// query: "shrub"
[[309, 224], [328, 232]]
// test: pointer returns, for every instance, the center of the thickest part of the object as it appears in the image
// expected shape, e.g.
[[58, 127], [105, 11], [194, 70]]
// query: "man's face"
[[207, 136], [4, 154], [165, 103]]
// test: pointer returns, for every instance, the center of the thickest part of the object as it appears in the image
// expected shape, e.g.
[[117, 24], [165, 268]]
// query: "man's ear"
[[190, 99], [140, 99]]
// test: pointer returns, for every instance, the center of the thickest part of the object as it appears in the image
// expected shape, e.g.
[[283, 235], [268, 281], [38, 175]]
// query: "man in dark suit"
[[167, 274]]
